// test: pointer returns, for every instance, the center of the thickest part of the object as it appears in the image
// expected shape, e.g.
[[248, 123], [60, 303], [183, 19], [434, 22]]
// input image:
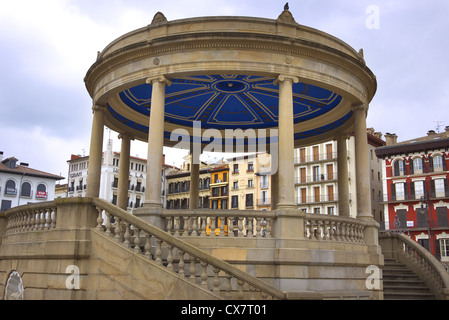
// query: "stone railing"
[[219, 223], [34, 217], [413, 255], [334, 228], [180, 257]]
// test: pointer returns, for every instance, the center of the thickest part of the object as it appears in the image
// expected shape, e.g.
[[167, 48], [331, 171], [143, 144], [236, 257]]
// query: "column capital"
[[161, 78], [96, 107], [359, 107], [284, 77], [125, 135]]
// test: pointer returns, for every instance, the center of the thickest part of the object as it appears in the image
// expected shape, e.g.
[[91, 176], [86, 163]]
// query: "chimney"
[[24, 164], [1, 155], [431, 133], [391, 139]]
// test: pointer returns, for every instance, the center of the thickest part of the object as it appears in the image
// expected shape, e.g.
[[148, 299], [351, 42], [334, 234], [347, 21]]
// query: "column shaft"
[[123, 177], [194, 180], [155, 143], [286, 177], [343, 176], [96, 153], [362, 164]]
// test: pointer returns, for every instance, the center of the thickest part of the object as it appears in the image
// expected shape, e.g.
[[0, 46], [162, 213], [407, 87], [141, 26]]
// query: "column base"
[[151, 215]]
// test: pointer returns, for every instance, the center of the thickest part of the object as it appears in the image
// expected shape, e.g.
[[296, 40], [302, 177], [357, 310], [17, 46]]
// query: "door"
[[330, 172]]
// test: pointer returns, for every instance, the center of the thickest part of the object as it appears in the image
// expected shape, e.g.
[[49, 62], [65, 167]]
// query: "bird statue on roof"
[[286, 7]]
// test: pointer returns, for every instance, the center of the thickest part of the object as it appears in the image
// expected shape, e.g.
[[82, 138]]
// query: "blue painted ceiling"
[[229, 101]]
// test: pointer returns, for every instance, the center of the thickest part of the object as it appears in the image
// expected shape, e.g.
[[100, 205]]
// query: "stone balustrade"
[[35, 217], [413, 255], [334, 228], [219, 223], [180, 257]]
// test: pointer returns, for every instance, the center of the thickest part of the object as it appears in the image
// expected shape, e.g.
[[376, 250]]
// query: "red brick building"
[[416, 190]]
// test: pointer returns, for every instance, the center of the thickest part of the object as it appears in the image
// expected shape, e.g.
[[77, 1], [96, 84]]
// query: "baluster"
[[108, 223], [240, 284], [169, 225], [170, 258], [222, 226], [228, 287], [32, 220], [181, 264], [325, 230], [127, 235], [249, 230], [42, 215], [268, 233], [187, 226], [99, 219], [204, 274], [53, 217], [258, 227], [319, 226], [194, 227], [148, 246], [213, 226], [264, 295], [192, 269], [204, 226], [118, 230], [252, 292], [177, 226], [240, 233], [137, 240], [216, 281], [159, 252], [48, 219], [339, 232]]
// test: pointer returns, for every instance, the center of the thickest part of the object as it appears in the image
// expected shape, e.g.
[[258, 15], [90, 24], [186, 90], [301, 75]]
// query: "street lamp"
[[425, 201]]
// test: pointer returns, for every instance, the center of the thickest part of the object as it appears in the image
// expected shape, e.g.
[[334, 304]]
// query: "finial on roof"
[[158, 18], [286, 15]]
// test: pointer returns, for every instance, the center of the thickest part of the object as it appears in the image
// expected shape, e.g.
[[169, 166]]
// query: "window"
[[10, 188], [249, 200], [250, 183], [331, 211], [419, 189], [236, 185], [235, 202], [417, 165], [316, 173], [399, 168], [400, 191], [442, 219], [421, 218], [41, 192], [438, 163], [444, 248], [236, 168], [250, 167], [439, 187], [264, 182], [26, 190], [6, 205]]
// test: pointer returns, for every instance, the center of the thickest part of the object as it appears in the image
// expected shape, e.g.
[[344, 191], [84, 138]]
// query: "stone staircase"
[[400, 283]]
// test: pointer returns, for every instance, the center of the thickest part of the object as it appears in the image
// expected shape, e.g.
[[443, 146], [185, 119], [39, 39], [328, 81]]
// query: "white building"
[[77, 178], [21, 185], [317, 177]]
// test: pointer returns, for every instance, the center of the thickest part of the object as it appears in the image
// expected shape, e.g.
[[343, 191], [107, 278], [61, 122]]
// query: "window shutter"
[[424, 167], [446, 187], [396, 168], [393, 192], [412, 191], [444, 163], [411, 167], [402, 216], [432, 189], [406, 191], [442, 217], [431, 164]]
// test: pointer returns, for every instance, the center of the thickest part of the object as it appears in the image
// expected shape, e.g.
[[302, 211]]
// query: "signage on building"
[[11, 191], [75, 175], [41, 195]]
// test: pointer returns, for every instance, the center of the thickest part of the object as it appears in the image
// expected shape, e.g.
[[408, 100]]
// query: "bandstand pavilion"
[[234, 73]]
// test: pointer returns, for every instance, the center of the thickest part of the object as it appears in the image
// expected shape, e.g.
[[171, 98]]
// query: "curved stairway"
[[400, 283]]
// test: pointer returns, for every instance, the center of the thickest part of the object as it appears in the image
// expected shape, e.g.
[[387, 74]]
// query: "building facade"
[[316, 177], [21, 185], [77, 178], [416, 198]]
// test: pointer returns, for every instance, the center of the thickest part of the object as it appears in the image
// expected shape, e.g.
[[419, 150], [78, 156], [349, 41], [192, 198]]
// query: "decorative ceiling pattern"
[[229, 101]]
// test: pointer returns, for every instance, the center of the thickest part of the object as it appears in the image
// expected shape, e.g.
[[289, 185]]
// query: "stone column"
[[343, 176], [274, 190], [362, 164], [155, 143], [194, 179], [286, 176], [96, 153], [123, 177]]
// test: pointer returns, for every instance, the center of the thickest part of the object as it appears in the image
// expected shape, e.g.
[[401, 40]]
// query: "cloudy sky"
[[47, 46]]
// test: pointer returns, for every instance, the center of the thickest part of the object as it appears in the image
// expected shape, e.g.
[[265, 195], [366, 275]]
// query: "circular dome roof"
[[222, 73]]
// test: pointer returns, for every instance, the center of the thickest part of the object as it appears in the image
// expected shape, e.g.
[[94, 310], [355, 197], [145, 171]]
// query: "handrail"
[[175, 260], [419, 259]]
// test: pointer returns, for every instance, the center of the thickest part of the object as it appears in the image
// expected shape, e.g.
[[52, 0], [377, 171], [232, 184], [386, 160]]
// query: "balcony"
[[317, 178], [328, 198], [263, 202], [317, 158]]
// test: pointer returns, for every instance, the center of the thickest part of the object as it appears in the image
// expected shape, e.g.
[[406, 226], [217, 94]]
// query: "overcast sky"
[[47, 46]]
